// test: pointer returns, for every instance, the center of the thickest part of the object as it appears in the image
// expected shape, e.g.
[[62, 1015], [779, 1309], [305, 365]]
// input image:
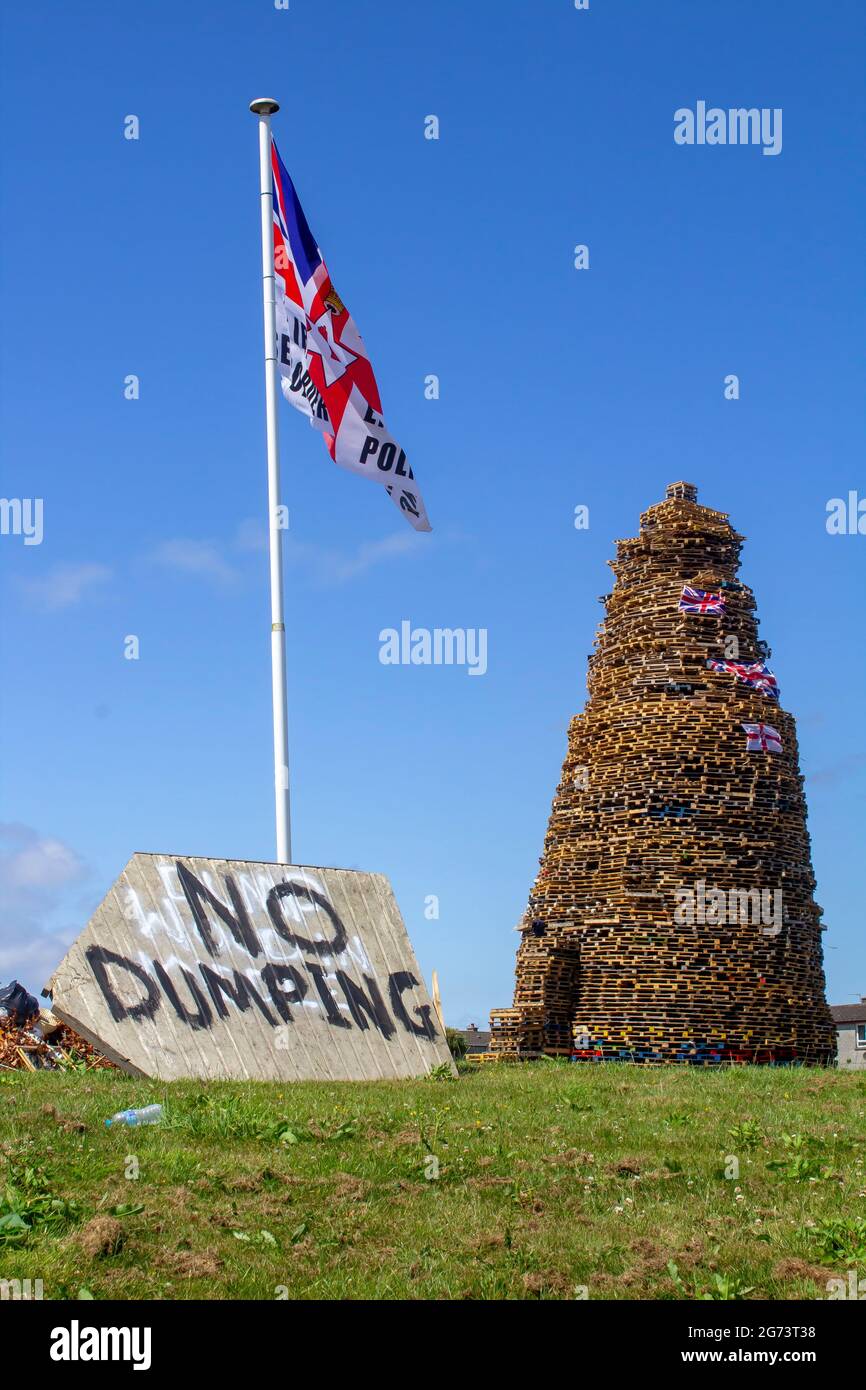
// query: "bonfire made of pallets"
[[662, 792]]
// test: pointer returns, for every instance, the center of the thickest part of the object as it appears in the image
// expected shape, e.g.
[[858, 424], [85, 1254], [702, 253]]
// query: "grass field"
[[543, 1181]]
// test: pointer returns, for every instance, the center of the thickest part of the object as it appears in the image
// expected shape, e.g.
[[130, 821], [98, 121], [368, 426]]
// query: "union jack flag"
[[756, 674], [762, 738], [699, 601], [324, 368]]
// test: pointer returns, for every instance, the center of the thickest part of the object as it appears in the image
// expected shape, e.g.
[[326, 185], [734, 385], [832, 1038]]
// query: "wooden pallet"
[[658, 792]]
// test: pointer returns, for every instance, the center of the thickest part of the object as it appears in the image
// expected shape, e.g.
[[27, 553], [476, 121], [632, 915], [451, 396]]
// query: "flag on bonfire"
[[324, 368], [756, 674], [762, 738], [700, 601]]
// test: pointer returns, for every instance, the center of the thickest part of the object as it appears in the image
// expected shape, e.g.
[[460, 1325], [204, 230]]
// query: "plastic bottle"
[[149, 1115]]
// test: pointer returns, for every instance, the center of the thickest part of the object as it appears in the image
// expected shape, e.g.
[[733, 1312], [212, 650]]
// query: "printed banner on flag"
[[762, 738], [699, 601], [324, 368]]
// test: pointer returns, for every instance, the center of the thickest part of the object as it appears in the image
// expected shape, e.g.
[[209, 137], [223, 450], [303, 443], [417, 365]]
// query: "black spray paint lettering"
[[237, 921], [335, 947], [402, 980], [202, 1016], [306, 901], [366, 1005], [240, 991], [283, 983], [273, 976], [99, 958], [361, 1006], [332, 1013]]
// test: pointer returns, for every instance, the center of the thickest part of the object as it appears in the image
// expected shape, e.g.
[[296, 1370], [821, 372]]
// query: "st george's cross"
[[762, 738]]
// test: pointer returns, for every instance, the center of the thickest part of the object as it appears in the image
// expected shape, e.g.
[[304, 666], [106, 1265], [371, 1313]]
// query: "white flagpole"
[[264, 108]]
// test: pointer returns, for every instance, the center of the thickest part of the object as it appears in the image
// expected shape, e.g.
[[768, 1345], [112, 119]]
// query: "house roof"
[[849, 1013]]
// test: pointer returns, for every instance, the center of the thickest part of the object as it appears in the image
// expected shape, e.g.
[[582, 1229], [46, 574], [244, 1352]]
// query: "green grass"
[[510, 1182]]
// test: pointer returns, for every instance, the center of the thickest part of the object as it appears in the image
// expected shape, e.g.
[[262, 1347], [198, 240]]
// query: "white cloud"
[[65, 585], [331, 567], [200, 558], [38, 873], [33, 962], [252, 535], [39, 863], [323, 566]]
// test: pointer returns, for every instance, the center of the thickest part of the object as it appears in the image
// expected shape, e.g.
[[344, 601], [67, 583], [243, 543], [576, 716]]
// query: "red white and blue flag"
[[324, 368], [699, 601], [762, 738], [755, 674]]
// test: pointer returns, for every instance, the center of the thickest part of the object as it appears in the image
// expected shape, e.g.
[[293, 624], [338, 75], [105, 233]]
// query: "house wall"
[[850, 1056]]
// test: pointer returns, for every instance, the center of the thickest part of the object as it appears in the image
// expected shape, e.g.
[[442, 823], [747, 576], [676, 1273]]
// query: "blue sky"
[[558, 387]]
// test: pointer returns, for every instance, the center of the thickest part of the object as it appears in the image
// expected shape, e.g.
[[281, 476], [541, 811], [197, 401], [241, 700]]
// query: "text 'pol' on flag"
[[324, 368]]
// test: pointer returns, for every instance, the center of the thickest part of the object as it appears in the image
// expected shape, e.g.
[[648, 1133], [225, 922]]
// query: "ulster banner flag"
[[324, 368]]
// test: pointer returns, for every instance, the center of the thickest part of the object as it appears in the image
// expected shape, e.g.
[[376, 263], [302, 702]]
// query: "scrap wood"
[[23, 1049], [659, 797]]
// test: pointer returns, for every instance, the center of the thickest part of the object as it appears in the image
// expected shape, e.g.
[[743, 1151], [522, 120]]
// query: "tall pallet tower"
[[672, 919]]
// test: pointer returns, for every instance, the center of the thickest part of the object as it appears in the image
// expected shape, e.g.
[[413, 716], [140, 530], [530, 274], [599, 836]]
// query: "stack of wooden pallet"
[[661, 803]]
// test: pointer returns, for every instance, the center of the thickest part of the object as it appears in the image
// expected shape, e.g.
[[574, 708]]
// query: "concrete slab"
[[225, 968]]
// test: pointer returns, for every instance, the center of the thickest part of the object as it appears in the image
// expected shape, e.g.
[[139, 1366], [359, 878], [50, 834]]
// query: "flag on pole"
[[762, 738], [699, 601], [324, 368]]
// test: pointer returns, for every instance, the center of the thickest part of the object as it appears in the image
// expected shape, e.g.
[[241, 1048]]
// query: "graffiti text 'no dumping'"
[[281, 985]]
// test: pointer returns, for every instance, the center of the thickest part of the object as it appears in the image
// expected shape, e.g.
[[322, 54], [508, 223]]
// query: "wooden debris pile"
[[672, 918], [43, 1043]]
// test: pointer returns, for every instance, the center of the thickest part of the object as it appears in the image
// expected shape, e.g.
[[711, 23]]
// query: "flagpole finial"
[[264, 106]]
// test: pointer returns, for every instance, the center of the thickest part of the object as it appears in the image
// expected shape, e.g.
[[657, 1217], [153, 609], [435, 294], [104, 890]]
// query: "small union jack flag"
[[756, 674], [762, 738], [699, 601]]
